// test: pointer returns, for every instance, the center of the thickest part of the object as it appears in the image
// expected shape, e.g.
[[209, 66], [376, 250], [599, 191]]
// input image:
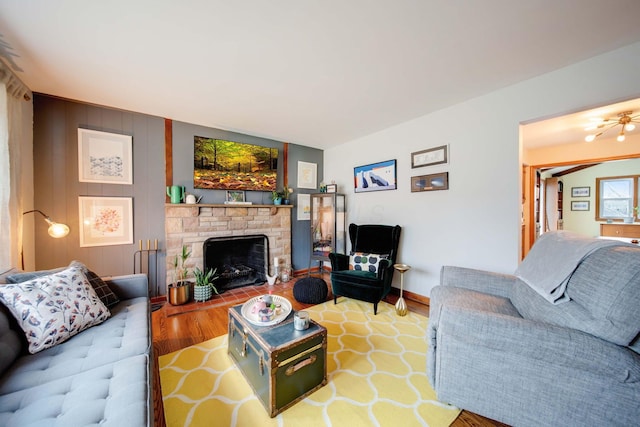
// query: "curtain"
[[15, 133]]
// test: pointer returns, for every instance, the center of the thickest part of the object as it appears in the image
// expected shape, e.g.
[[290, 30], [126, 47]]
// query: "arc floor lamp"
[[56, 229]]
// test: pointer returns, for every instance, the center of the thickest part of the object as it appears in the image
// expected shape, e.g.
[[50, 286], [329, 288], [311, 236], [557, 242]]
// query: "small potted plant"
[[276, 196], [179, 289], [204, 286], [286, 192]]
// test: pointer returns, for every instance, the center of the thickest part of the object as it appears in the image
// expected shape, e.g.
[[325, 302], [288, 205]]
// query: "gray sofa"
[[101, 376], [499, 348]]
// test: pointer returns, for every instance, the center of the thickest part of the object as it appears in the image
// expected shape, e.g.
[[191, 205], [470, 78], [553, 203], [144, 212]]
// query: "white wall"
[[476, 223]]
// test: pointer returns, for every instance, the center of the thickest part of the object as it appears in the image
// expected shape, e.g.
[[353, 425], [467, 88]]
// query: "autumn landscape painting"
[[228, 165]]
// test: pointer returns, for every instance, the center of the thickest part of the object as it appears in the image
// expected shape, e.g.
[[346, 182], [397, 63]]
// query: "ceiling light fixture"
[[625, 120]]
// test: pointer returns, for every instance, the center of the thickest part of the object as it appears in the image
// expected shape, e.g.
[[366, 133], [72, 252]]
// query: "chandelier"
[[625, 121]]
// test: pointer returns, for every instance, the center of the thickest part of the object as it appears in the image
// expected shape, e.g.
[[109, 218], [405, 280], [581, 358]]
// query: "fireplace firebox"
[[238, 260]]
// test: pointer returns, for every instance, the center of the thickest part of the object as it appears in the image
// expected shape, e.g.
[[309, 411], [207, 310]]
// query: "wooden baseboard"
[[394, 291]]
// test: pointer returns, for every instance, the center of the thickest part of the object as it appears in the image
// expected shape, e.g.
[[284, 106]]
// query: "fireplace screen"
[[238, 260]]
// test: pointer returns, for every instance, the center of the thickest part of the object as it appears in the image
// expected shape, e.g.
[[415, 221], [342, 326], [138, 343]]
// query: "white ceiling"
[[310, 72]]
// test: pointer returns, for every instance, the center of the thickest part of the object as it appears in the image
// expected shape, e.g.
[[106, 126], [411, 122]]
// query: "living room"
[[475, 223]]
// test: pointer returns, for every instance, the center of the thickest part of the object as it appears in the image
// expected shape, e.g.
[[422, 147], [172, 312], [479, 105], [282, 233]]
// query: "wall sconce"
[[56, 229]]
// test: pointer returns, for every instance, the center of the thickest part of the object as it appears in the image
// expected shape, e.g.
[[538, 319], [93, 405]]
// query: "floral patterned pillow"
[[53, 308]]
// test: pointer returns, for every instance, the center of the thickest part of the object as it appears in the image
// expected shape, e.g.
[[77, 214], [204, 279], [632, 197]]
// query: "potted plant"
[[179, 289], [276, 196], [285, 194], [203, 288]]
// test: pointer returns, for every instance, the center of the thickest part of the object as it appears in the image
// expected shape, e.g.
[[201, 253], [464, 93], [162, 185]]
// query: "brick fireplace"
[[192, 225]]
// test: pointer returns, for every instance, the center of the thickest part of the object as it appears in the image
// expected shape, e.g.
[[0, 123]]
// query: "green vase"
[[277, 201]]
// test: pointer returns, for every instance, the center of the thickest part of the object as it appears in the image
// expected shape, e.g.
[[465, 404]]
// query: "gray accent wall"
[[57, 188], [183, 134]]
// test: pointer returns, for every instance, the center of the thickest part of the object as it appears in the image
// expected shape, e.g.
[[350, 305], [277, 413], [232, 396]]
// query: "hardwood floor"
[[176, 327]]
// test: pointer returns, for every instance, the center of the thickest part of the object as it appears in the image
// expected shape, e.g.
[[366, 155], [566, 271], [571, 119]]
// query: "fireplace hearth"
[[238, 260]]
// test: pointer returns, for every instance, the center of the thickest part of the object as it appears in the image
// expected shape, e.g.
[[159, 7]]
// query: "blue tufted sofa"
[[102, 376]]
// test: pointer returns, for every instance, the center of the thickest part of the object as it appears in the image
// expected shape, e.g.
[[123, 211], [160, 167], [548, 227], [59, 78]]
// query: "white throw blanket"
[[553, 259]]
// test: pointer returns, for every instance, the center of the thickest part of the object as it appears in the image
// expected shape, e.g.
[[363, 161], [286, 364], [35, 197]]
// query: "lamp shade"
[[56, 229]]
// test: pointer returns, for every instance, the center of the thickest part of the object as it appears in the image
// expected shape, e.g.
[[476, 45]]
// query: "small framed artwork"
[[429, 157], [332, 188], [432, 182], [375, 177], [307, 175], [580, 205], [104, 157], [304, 207], [580, 191], [105, 221], [235, 196]]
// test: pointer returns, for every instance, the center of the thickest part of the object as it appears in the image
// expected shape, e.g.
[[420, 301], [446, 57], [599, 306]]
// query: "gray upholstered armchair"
[[374, 249], [503, 347]]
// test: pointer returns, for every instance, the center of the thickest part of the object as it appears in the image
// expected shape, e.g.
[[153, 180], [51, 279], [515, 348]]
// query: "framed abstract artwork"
[[104, 157], [375, 176], [105, 221]]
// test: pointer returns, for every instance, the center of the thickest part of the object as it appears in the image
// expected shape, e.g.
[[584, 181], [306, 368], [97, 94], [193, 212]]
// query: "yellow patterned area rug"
[[376, 375]]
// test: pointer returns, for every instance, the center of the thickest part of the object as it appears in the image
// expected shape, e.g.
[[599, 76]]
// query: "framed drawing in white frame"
[[104, 157], [304, 207], [105, 221], [307, 175]]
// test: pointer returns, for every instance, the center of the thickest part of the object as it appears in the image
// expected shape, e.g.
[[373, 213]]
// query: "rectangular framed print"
[[580, 205], [375, 177], [332, 188], [307, 175], [432, 182], [105, 221], [428, 157], [235, 196], [580, 191], [104, 157], [304, 207]]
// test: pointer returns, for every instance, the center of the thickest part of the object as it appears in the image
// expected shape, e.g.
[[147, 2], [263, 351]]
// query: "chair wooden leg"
[[335, 299], [375, 308]]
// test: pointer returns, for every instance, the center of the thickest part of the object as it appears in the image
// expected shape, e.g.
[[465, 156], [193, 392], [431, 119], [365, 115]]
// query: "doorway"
[[554, 147]]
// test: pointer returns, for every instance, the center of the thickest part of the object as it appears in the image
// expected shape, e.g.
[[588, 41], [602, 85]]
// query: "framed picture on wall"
[[105, 221], [104, 157], [375, 177], [432, 182], [580, 191], [307, 175], [429, 157], [580, 205]]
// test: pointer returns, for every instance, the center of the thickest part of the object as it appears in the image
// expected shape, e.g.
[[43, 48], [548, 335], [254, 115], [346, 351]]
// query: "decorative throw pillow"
[[365, 262], [51, 309], [103, 290], [105, 294]]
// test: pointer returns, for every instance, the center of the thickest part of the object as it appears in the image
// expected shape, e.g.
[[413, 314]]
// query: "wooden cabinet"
[[631, 231], [328, 225]]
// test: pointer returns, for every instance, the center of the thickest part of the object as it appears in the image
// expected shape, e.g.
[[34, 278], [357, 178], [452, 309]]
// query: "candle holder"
[[401, 305]]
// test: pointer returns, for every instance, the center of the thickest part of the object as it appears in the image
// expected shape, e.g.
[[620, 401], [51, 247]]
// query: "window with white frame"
[[616, 197]]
